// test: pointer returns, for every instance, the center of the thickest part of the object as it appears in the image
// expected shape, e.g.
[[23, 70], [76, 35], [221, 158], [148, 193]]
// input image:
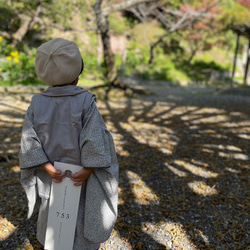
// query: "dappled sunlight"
[[119, 145], [142, 193], [208, 151], [183, 171], [209, 111], [155, 136], [235, 156], [187, 158], [10, 119], [233, 170], [244, 136], [12, 112], [121, 200], [200, 163], [179, 236], [15, 169], [6, 228], [197, 115], [211, 119], [124, 153], [237, 125], [205, 173], [201, 188], [178, 172], [226, 151]]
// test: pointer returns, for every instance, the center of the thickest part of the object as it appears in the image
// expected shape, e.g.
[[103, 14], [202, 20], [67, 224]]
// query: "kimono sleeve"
[[101, 200], [31, 155], [31, 151], [95, 140]]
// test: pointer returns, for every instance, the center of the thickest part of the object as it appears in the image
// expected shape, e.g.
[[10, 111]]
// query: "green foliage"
[[5, 18], [137, 53], [171, 55], [137, 57], [90, 65], [137, 63], [146, 33], [18, 6], [171, 64], [164, 69], [5, 48], [233, 13], [117, 24], [173, 3], [9, 21], [61, 12], [132, 59], [16, 67], [202, 65]]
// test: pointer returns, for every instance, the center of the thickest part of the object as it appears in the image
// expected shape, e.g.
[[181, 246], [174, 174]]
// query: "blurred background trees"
[[184, 41], [236, 17]]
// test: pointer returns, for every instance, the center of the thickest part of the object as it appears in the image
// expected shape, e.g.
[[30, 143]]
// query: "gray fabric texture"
[[88, 144]]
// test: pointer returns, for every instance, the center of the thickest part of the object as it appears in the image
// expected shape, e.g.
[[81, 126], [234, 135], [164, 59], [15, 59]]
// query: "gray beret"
[[58, 62]]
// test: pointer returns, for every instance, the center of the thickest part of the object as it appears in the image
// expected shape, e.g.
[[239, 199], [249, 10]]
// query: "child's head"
[[58, 62]]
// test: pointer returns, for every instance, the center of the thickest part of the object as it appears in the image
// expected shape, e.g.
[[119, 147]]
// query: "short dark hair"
[[82, 68]]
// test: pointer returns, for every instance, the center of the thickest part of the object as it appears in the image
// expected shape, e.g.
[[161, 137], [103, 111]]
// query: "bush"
[[17, 67]]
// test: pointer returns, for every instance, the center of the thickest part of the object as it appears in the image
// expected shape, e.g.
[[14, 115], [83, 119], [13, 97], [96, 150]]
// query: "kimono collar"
[[68, 90]]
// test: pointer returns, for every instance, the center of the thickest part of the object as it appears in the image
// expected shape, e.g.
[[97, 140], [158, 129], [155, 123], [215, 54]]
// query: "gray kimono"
[[63, 124]]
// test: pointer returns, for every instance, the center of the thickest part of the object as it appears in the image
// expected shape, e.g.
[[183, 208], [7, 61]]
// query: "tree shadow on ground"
[[15, 230], [184, 165], [184, 168]]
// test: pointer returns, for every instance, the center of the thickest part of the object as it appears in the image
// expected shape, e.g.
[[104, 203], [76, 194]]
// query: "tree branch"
[[27, 25], [163, 19], [137, 14], [122, 6], [183, 22], [5, 35]]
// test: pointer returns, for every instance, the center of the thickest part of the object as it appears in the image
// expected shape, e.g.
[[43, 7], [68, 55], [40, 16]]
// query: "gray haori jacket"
[[63, 124]]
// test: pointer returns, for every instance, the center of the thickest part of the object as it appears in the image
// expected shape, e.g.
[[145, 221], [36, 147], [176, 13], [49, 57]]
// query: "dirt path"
[[184, 170]]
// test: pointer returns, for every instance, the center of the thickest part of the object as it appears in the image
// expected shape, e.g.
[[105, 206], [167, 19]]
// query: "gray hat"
[[58, 62]]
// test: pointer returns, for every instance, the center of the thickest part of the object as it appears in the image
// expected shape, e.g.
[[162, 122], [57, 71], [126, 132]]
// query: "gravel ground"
[[184, 169]]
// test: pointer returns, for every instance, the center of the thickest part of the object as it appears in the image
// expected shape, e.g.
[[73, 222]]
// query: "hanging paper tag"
[[63, 210]]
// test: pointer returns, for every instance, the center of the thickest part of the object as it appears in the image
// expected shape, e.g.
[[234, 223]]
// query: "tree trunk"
[[235, 58], [152, 55], [109, 57], [153, 46], [103, 26], [194, 48], [124, 59], [247, 64]]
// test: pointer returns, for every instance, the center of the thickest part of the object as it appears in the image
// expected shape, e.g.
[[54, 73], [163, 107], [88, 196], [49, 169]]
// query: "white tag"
[[63, 210]]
